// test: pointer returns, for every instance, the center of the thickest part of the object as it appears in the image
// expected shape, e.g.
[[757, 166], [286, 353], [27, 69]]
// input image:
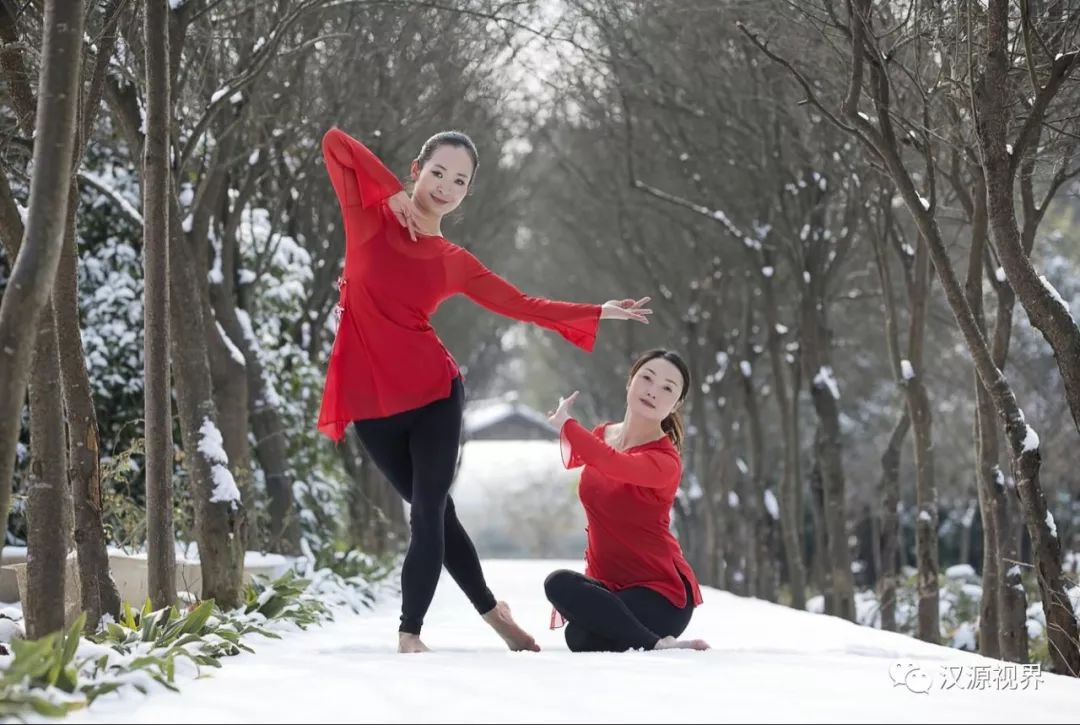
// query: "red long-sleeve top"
[[627, 496], [386, 356]]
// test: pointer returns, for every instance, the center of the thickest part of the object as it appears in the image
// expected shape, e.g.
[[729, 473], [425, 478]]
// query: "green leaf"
[[196, 619], [73, 635]]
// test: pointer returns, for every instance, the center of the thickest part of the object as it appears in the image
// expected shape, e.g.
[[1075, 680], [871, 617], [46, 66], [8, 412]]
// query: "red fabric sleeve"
[[570, 457], [360, 180], [649, 467], [576, 322]]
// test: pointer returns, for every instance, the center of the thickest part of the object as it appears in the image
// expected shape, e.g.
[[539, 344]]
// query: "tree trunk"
[[820, 562], [824, 394], [790, 486], [228, 379], [926, 548], [98, 590], [271, 441], [46, 541], [157, 403], [918, 399], [1012, 614], [991, 482], [219, 516], [272, 451], [890, 521], [34, 270]]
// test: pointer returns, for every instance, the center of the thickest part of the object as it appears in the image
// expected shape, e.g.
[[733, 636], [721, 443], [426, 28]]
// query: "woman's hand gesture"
[[562, 413], [626, 310], [405, 211]]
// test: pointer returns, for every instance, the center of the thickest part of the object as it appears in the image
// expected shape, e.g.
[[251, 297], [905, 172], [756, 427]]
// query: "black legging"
[[417, 451], [600, 620]]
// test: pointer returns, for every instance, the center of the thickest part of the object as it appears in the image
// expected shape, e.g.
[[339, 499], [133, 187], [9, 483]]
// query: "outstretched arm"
[[650, 467], [576, 322]]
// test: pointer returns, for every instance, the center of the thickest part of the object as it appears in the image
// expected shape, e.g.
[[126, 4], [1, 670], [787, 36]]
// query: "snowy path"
[[768, 664]]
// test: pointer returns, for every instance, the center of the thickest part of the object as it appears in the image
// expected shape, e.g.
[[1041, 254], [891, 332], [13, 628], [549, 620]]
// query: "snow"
[[176, 4], [1055, 294], [219, 94], [211, 446], [771, 504], [234, 351], [1050, 523], [781, 329], [767, 271], [745, 368], [187, 194], [826, 378], [1031, 439], [768, 663], [960, 571], [925, 516], [964, 637], [106, 187], [999, 274], [215, 275], [907, 370]]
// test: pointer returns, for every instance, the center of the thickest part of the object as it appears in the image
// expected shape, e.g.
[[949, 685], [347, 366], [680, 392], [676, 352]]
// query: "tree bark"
[[98, 590], [219, 522], [890, 522], [816, 367], [34, 270], [271, 442], [157, 403], [791, 509], [46, 541], [918, 399], [820, 563]]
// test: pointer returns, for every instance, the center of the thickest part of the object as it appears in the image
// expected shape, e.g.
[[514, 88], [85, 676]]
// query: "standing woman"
[[638, 590], [389, 374]]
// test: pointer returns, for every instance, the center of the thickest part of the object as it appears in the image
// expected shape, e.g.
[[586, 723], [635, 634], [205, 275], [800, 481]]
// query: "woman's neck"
[[636, 430]]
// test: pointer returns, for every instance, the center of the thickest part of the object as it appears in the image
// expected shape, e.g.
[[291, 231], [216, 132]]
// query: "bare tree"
[[872, 72]]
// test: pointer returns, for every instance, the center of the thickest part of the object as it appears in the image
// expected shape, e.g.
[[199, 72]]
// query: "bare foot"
[[409, 643], [504, 625], [672, 643]]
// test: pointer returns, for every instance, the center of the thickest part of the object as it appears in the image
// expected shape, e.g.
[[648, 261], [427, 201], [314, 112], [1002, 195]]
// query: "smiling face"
[[442, 181], [655, 389]]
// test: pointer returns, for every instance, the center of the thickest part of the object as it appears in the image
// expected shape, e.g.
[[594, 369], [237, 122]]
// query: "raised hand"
[[402, 206], [562, 413], [626, 310]]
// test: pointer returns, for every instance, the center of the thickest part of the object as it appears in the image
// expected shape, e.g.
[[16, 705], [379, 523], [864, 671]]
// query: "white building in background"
[[512, 493]]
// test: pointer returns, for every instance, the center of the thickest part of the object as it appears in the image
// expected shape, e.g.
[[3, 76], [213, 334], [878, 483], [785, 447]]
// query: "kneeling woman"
[[638, 591]]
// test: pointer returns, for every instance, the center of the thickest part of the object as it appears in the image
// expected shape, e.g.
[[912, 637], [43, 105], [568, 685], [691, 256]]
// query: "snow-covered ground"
[[768, 664]]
